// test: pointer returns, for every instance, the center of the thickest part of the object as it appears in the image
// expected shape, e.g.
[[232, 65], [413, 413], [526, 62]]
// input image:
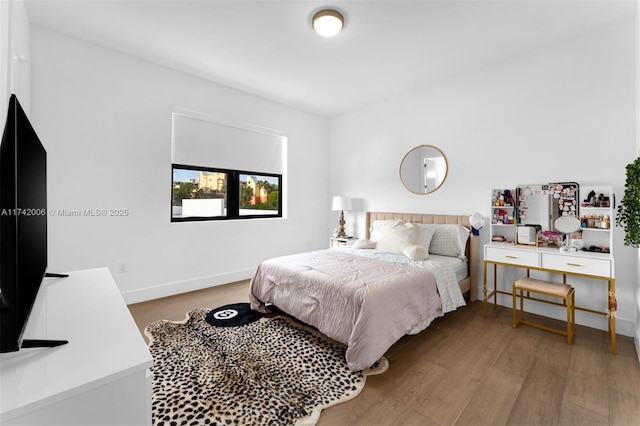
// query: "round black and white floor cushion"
[[232, 315]]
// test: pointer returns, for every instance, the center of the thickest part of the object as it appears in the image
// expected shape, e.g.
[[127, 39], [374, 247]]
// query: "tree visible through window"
[[259, 194]]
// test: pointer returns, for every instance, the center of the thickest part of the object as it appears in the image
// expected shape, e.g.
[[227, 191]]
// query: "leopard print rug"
[[274, 371]]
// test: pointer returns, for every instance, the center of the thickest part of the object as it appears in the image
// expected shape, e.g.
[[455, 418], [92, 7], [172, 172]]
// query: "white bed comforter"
[[366, 301]]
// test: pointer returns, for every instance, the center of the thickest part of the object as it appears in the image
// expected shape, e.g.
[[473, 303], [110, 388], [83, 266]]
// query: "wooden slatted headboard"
[[469, 284]]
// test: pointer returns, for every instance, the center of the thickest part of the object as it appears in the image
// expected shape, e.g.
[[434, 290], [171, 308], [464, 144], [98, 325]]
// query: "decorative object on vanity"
[[271, 371], [596, 217], [503, 203], [593, 201], [502, 215], [597, 249], [576, 241], [341, 203], [596, 208], [527, 234], [598, 222], [629, 209], [567, 225], [503, 198], [552, 239], [423, 169]]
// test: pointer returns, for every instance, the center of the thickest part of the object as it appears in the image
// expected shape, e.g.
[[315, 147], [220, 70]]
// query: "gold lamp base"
[[341, 233]]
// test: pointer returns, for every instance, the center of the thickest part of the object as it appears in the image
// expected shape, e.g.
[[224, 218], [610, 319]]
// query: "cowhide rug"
[[272, 371]]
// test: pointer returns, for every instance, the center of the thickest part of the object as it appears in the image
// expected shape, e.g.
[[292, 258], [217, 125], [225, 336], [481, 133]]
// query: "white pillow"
[[396, 235], [364, 244], [427, 230], [416, 252], [376, 228]]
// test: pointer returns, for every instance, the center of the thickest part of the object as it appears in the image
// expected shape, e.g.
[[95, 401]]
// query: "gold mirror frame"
[[414, 169]]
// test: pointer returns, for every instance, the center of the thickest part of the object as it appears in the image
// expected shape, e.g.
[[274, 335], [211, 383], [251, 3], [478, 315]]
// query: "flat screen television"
[[23, 227]]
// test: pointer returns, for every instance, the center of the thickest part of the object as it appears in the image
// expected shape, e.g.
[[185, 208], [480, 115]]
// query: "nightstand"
[[342, 242]]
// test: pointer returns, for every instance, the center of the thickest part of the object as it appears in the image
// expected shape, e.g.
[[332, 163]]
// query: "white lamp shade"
[[341, 203]]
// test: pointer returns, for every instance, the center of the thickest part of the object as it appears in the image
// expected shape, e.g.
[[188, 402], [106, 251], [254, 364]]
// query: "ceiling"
[[268, 48]]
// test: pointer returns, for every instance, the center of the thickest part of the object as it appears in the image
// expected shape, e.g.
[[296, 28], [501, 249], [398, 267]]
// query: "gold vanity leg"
[[484, 291], [613, 307], [495, 285]]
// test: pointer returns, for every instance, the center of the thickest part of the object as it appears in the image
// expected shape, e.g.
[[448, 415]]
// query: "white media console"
[[100, 377]]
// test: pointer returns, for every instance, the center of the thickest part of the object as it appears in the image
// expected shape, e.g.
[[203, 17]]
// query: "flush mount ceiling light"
[[328, 22]]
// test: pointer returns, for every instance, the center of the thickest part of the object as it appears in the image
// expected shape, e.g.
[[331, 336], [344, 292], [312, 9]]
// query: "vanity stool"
[[561, 291]]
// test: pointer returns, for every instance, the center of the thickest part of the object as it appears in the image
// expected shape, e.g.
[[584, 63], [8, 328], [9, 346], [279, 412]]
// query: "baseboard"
[[637, 340], [170, 289]]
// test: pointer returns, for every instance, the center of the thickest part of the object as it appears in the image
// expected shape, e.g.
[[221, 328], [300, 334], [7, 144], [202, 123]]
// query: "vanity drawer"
[[512, 257], [577, 265]]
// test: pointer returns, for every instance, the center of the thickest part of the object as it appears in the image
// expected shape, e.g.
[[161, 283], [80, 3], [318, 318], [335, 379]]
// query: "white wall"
[[637, 50], [4, 59], [15, 57], [562, 113], [105, 120]]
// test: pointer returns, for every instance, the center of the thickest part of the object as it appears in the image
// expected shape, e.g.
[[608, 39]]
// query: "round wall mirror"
[[423, 169]]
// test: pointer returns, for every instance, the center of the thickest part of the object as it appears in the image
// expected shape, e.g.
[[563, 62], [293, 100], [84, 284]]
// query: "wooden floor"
[[466, 370]]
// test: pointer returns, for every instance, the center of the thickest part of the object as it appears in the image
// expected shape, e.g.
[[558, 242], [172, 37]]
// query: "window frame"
[[232, 194]]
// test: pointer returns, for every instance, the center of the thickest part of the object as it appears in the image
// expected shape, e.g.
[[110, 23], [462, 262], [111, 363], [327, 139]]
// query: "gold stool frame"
[[561, 291]]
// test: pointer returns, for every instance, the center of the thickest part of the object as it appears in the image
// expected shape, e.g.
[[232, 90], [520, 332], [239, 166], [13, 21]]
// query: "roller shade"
[[201, 142]]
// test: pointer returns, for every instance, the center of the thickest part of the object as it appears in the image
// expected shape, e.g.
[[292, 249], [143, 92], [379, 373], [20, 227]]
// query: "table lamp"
[[341, 203]]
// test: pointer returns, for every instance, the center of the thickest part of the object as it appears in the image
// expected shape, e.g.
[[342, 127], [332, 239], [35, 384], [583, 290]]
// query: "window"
[[225, 170], [203, 193], [259, 195]]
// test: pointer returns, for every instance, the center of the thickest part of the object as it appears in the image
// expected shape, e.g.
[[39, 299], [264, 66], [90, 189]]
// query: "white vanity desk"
[[598, 266]]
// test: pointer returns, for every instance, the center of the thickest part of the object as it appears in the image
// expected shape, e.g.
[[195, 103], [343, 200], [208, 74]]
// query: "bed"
[[368, 296]]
